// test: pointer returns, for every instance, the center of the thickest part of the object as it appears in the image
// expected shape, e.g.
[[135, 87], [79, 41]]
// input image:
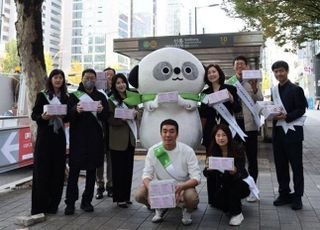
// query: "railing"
[[15, 142]]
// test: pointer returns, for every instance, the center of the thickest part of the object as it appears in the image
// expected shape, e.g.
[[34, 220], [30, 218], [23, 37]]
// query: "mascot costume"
[[169, 71]]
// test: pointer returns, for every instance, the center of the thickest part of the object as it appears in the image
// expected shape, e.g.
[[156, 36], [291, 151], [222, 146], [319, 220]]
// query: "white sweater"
[[183, 159]]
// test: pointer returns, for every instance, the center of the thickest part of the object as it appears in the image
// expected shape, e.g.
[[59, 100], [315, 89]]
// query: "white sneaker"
[[186, 217], [236, 220], [159, 213], [251, 198]]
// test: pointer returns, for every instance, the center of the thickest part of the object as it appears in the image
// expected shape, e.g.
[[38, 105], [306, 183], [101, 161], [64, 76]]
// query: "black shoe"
[[129, 202], [99, 195], [87, 207], [122, 204], [296, 203], [282, 200], [69, 210]]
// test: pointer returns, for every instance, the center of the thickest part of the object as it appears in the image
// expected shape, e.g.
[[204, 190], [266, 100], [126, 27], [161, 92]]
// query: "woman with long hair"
[[214, 79], [50, 148], [122, 142], [227, 187]]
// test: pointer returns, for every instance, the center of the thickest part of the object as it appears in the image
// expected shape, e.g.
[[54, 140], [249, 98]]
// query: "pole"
[[195, 20]]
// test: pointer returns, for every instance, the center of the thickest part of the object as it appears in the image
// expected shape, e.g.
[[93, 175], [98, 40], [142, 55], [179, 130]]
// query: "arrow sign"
[[7, 148]]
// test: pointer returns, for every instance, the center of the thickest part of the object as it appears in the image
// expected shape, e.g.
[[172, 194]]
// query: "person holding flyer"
[[122, 139], [175, 160], [229, 185], [287, 136], [50, 148], [248, 119], [87, 111]]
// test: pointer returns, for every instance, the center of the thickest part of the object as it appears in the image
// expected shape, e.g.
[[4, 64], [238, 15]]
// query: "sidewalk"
[[259, 215]]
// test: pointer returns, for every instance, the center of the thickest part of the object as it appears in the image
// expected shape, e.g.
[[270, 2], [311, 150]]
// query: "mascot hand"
[[152, 105], [187, 104]]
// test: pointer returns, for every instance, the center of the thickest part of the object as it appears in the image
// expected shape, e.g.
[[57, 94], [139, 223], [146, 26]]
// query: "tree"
[[286, 21], [30, 48], [11, 59]]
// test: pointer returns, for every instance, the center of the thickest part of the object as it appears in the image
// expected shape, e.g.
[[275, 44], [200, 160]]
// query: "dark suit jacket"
[[295, 103]]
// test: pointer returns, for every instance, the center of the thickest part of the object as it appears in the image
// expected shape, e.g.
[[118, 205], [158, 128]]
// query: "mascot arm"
[[187, 104], [151, 105]]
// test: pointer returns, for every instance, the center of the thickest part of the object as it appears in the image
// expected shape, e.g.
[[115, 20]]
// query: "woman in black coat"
[[86, 140], [50, 148], [215, 78], [227, 187]]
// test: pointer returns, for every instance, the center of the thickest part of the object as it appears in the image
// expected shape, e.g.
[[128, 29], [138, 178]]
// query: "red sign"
[[25, 147]]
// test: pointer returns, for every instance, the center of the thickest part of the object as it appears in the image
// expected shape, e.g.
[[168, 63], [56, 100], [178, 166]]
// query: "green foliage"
[[10, 59], [49, 62], [286, 21]]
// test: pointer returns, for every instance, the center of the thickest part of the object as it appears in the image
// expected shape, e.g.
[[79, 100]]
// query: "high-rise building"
[[51, 22], [7, 20], [91, 28], [51, 25]]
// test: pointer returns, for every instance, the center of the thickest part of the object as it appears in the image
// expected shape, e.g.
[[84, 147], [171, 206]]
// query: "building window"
[[8, 1], [76, 58], [77, 6], [77, 14], [76, 41], [76, 23], [99, 58], [100, 49], [6, 10]]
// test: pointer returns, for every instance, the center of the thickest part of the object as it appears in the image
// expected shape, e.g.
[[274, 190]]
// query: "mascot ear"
[[133, 76]]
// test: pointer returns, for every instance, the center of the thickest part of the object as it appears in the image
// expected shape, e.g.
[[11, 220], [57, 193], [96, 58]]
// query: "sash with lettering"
[[131, 123], [57, 122], [246, 98], [285, 125], [82, 96], [227, 116], [165, 161]]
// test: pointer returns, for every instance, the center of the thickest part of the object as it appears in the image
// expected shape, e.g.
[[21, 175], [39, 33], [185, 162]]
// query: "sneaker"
[[87, 207], [99, 195], [236, 220], [186, 217], [251, 198], [69, 210], [159, 213]]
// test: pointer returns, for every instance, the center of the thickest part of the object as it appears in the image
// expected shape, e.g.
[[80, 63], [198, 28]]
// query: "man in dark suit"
[[288, 136]]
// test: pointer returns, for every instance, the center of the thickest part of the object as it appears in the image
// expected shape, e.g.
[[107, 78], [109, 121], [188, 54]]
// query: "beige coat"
[[249, 123], [119, 132]]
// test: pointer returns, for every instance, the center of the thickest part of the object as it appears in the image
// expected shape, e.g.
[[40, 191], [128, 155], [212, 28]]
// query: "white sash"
[[131, 123], [252, 186], [246, 98], [57, 122], [228, 117], [285, 125]]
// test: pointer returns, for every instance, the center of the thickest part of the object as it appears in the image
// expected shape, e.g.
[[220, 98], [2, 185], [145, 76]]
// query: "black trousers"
[[286, 151], [229, 193], [47, 183], [73, 189], [122, 170], [251, 145]]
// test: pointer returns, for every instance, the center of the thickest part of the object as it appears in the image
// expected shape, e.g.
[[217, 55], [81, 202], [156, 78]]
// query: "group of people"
[[98, 135], [93, 137]]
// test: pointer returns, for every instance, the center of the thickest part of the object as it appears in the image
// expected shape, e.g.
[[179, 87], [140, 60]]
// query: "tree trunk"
[[30, 49]]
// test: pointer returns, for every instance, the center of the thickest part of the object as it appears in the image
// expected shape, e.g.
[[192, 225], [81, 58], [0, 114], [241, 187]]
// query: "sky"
[[214, 19]]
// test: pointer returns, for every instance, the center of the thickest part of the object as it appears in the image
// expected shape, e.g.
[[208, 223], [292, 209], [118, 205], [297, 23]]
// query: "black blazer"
[[295, 103]]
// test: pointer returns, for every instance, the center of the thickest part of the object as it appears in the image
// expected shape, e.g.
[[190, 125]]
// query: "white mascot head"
[[169, 70]]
